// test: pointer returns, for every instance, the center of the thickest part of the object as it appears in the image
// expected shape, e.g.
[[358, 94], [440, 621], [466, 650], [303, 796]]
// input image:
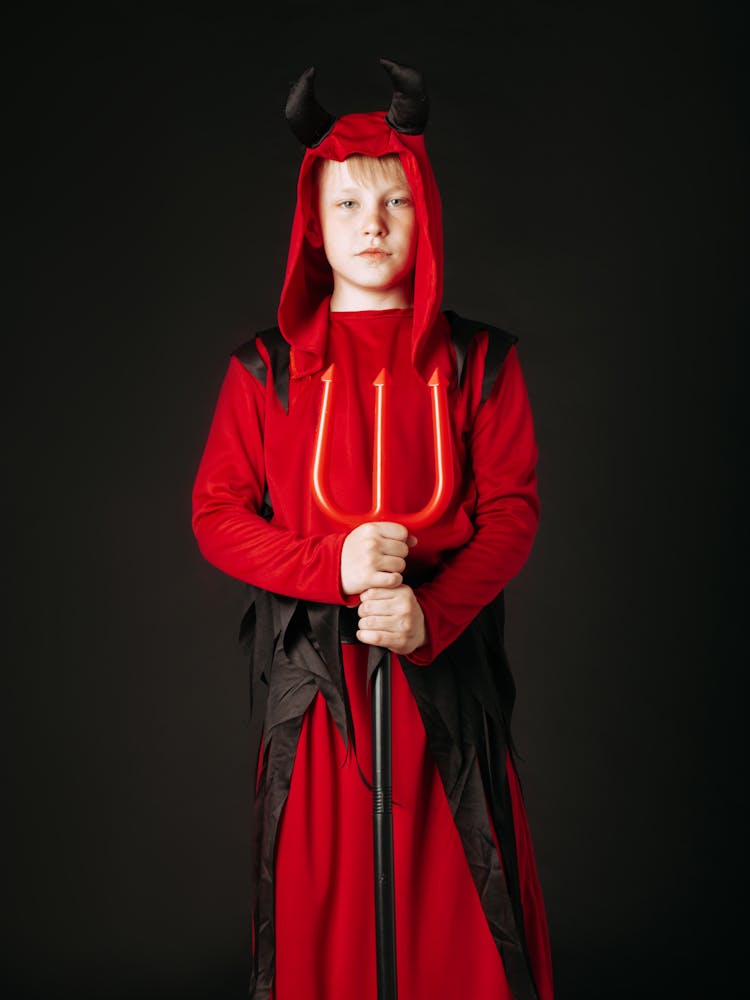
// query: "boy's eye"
[[346, 204], [399, 201]]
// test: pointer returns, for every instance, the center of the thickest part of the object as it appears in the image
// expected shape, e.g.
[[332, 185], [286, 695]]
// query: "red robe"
[[323, 898]]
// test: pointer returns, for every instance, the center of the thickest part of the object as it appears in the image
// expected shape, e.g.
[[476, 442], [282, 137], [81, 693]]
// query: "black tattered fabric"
[[465, 698]]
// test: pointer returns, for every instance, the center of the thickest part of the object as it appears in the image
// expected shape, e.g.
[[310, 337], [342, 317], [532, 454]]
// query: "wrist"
[[422, 653], [350, 600]]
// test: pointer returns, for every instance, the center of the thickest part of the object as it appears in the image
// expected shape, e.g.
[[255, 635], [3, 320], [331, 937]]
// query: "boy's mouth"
[[375, 251]]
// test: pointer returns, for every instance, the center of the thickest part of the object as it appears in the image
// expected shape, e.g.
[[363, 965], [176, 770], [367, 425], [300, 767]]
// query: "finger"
[[374, 593], [372, 638], [390, 529], [382, 607], [389, 641], [391, 564], [379, 637], [388, 581], [383, 623], [390, 547], [390, 603]]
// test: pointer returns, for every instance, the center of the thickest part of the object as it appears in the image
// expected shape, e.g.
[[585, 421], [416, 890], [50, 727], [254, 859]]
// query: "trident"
[[382, 788]]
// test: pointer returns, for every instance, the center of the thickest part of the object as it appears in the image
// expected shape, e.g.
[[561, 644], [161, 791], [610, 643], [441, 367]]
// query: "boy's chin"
[[383, 283], [374, 295]]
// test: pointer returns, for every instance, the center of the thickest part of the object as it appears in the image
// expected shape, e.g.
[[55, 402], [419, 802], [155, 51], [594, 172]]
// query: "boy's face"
[[368, 231]]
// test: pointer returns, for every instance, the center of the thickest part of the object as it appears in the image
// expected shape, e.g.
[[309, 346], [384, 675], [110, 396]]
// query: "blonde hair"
[[366, 170]]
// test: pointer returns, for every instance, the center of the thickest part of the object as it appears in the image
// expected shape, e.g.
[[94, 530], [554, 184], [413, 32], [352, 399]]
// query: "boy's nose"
[[374, 225]]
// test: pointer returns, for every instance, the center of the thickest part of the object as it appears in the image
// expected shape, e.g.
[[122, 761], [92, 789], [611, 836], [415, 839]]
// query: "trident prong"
[[441, 435]]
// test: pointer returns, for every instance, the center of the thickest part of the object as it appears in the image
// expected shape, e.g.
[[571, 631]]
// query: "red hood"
[[308, 284]]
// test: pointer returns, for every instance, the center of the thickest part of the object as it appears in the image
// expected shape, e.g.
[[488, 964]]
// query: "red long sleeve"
[[503, 455], [228, 493], [231, 534]]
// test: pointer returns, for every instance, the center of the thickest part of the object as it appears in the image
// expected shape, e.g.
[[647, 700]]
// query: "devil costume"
[[469, 912]]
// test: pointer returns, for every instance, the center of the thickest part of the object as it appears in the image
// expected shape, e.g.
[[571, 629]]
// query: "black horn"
[[307, 119], [410, 106]]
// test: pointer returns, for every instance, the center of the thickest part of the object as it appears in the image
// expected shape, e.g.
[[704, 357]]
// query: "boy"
[[362, 292]]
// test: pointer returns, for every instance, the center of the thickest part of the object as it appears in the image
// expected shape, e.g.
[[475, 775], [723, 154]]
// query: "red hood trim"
[[308, 283]]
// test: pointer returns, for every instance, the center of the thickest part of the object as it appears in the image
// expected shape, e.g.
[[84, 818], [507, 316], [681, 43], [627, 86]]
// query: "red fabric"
[[480, 543], [494, 515], [324, 911], [303, 312], [325, 942], [324, 857]]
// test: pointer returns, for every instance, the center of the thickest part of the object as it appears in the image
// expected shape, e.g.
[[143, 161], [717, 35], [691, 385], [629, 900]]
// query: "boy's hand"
[[374, 555], [392, 618]]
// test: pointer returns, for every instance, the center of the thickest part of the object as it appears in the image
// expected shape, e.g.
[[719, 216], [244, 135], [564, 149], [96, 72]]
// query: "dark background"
[[590, 158]]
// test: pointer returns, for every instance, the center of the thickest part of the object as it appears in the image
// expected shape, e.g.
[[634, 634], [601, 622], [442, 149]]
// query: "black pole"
[[382, 826]]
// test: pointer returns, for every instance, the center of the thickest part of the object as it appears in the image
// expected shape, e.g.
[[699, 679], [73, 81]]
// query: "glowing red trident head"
[[441, 433]]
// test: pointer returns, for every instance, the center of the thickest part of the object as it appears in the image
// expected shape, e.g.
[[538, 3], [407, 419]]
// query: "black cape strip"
[[465, 698]]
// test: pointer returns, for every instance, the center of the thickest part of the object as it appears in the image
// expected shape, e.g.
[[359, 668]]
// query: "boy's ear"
[[314, 234]]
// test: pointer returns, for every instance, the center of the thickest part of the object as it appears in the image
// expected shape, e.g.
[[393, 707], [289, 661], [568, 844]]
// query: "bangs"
[[367, 170]]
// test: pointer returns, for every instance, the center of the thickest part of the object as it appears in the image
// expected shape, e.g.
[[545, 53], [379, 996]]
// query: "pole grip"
[[382, 828]]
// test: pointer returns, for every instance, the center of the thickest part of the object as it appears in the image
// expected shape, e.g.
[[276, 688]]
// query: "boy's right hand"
[[374, 555]]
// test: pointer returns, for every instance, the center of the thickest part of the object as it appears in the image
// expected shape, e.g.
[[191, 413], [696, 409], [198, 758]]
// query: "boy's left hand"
[[391, 618]]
